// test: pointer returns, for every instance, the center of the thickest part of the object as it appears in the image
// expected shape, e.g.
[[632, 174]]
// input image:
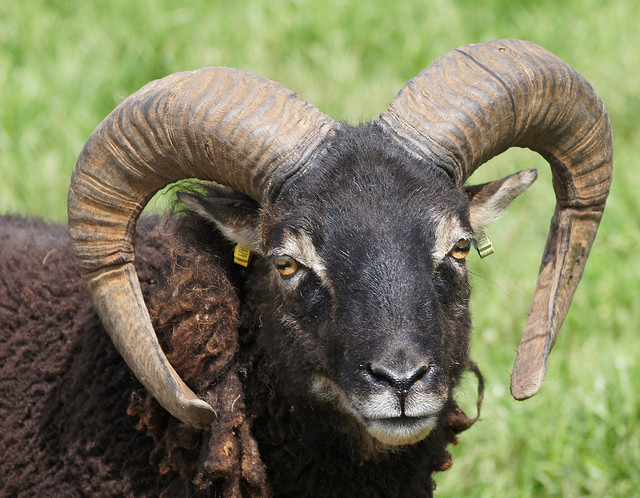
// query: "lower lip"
[[401, 430]]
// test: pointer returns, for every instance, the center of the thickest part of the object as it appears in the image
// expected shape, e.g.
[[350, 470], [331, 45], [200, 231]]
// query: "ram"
[[324, 362]]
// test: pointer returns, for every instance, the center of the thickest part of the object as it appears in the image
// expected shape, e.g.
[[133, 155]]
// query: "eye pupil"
[[286, 265], [461, 249]]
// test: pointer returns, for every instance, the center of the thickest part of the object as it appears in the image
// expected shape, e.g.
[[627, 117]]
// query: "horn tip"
[[527, 380], [197, 413]]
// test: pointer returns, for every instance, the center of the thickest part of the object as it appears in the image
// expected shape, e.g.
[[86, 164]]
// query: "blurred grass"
[[65, 64]]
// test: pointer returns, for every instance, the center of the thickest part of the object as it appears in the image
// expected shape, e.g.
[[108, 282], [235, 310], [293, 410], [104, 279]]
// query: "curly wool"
[[69, 404], [64, 389], [196, 319]]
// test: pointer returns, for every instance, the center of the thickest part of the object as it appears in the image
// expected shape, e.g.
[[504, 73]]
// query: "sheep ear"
[[488, 201], [234, 214]]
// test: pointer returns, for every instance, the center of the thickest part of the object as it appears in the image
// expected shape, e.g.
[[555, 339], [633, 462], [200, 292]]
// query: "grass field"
[[65, 64]]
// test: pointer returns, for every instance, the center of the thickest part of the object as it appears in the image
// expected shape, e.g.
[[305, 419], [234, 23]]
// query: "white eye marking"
[[449, 235], [299, 247]]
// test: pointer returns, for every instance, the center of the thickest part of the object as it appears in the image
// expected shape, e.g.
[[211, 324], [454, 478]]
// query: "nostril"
[[418, 374], [400, 380], [379, 372]]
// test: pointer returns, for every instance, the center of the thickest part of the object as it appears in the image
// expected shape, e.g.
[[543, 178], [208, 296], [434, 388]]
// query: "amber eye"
[[286, 265], [461, 249]]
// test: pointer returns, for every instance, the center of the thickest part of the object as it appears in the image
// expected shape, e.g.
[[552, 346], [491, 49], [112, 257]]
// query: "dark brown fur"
[[75, 422]]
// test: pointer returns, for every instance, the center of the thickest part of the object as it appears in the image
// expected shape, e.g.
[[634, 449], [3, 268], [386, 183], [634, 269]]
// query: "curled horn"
[[477, 101], [218, 124]]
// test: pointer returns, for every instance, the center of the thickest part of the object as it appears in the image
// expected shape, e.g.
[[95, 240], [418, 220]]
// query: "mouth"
[[382, 415], [396, 431]]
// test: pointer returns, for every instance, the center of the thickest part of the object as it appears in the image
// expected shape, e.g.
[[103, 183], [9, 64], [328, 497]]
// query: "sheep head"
[[365, 260], [363, 230]]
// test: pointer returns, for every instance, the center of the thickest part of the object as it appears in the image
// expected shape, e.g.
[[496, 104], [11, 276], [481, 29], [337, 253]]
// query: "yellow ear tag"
[[483, 244], [241, 256]]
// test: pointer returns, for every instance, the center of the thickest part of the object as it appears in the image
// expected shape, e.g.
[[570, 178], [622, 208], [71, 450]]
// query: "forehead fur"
[[363, 167]]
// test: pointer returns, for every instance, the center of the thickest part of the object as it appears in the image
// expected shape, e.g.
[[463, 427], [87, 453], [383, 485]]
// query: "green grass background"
[[65, 64]]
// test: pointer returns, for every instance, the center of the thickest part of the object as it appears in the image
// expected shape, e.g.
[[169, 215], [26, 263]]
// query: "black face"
[[366, 255]]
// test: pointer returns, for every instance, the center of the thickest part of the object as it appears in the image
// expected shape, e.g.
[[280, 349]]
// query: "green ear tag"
[[241, 256], [483, 244]]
